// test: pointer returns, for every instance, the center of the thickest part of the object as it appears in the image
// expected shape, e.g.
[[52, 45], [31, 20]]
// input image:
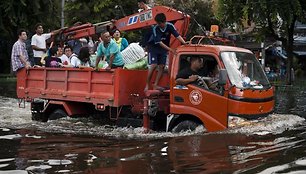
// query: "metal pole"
[[62, 14], [146, 117], [263, 54]]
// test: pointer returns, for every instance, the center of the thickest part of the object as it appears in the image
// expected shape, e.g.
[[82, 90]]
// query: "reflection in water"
[[291, 99], [225, 152]]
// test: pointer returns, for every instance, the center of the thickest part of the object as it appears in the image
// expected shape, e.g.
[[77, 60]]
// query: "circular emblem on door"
[[195, 97]]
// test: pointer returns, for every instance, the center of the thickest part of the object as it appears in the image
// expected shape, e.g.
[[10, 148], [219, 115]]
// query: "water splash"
[[18, 118], [273, 124]]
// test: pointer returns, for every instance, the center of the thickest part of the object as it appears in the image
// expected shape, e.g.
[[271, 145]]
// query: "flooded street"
[[275, 144]]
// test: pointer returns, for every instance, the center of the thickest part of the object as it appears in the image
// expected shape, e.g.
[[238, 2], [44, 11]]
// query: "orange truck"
[[117, 95]]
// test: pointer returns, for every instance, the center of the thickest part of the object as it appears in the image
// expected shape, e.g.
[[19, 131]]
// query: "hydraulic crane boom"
[[146, 18], [136, 21]]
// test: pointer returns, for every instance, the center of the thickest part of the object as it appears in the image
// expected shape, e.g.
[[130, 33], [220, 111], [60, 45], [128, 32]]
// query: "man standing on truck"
[[38, 42], [158, 46], [108, 49], [20, 58]]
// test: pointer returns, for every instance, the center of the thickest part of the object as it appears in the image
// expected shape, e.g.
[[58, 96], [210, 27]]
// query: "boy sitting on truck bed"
[[52, 60]]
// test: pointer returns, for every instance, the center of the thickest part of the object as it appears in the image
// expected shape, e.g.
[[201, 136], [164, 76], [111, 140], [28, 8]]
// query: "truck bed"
[[109, 87]]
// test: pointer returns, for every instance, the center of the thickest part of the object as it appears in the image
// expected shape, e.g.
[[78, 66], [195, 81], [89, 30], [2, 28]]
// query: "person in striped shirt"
[[19, 56]]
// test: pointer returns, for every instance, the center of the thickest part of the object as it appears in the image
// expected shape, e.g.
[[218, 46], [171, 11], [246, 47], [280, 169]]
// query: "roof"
[[212, 48], [300, 53], [300, 40]]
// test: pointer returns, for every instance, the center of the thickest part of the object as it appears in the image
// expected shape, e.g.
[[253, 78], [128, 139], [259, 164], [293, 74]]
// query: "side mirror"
[[222, 77]]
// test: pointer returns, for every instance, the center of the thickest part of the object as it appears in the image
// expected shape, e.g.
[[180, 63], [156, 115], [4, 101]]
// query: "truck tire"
[[57, 114], [37, 107], [39, 117], [185, 126]]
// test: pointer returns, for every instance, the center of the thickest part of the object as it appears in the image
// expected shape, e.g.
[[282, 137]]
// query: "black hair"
[[20, 31], [194, 58], [53, 50], [144, 1], [37, 25], [68, 46], [84, 54], [160, 18], [78, 23], [114, 31], [110, 29]]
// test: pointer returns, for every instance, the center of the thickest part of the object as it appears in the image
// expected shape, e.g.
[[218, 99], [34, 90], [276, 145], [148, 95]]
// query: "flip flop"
[[159, 88]]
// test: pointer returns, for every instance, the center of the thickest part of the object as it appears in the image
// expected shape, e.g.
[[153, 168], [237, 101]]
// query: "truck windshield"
[[244, 70]]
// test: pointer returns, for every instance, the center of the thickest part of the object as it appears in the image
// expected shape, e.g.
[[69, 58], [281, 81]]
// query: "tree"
[[98, 11], [200, 11], [24, 14], [276, 17]]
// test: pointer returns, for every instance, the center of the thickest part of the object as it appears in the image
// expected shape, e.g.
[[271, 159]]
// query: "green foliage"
[[100, 11], [25, 14], [97, 11], [275, 17], [200, 11]]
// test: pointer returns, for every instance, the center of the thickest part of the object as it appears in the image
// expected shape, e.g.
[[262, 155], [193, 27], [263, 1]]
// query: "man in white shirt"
[[38, 42]]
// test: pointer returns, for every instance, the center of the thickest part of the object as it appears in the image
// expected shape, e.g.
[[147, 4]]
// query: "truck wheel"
[[37, 106], [57, 114], [185, 125], [39, 117]]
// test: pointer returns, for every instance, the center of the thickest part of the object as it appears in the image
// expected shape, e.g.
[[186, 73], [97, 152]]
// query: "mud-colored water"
[[275, 144]]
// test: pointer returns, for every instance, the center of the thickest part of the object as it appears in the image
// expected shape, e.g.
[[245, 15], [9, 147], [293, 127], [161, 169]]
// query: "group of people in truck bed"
[[75, 53]]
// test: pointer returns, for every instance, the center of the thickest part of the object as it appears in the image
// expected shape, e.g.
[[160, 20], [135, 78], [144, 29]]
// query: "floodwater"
[[275, 144]]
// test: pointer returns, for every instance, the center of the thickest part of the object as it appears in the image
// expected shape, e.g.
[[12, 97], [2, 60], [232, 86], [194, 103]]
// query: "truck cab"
[[242, 89]]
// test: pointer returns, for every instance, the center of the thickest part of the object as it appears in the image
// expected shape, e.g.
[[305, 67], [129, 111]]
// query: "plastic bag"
[[140, 64], [102, 64], [132, 53]]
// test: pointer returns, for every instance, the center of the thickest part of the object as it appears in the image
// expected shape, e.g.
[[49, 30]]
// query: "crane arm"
[[136, 21], [145, 19]]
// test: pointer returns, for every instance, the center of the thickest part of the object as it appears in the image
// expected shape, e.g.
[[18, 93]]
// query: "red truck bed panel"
[[111, 88]]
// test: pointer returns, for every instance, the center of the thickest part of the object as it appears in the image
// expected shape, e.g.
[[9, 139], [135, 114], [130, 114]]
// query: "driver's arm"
[[182, 81]]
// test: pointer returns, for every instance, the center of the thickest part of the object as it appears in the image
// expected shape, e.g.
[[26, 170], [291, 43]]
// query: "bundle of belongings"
[[134, 57]]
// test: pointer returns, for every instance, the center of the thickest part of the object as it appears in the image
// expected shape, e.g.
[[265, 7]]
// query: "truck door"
[[204, 101]]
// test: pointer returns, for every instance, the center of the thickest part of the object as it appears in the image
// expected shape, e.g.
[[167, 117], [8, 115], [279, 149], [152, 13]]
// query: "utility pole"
[[62, 14], [263, 54]]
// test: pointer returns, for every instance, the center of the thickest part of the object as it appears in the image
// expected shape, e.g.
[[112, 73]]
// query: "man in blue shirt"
[[158, 46], [110, 52]]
